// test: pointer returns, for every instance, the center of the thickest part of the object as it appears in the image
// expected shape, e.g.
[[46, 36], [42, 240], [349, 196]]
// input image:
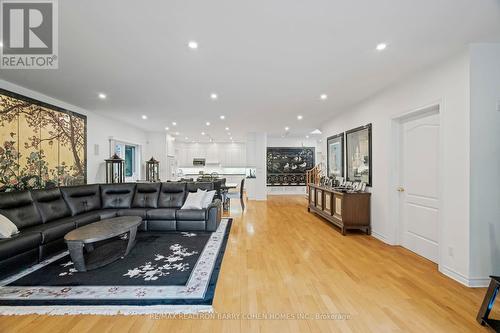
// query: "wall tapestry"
[[41, 145], [287, 166], [359, 154], [335, 155]]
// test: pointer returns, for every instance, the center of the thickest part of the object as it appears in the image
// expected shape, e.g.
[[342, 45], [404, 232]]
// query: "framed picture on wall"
[[359, 154], [335, 155], [41, 145]]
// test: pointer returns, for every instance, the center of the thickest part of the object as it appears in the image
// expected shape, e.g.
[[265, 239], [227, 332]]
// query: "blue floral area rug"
[[166, 272]]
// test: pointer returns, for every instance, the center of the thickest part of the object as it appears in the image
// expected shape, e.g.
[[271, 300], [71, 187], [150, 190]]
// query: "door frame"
[[397, 123]]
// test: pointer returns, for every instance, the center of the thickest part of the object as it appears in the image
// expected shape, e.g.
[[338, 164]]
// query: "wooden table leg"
[[131, 240], [76, 253]]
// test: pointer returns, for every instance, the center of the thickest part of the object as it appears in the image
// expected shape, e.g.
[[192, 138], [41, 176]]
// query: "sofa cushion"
[[161, 214], [191, 214], [172, 195], [146, 195], [191, 225], [51, 248], [20, 243], [20, 209], [117, 195], [80, 199], [162, 225], [141, 212], [107, 213], [50, 204], [86, 218], [193, 187], [53, 230]]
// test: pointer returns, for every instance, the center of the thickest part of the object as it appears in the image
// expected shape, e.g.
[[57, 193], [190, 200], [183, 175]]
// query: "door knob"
[[400, 189]]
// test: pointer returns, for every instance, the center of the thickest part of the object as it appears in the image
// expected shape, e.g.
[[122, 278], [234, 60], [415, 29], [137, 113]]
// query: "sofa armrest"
[[214, 215]]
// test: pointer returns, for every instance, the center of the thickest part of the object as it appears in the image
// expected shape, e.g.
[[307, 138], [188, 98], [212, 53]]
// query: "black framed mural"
[[335, 155], [41, 145], [287, 166], [359, 154]]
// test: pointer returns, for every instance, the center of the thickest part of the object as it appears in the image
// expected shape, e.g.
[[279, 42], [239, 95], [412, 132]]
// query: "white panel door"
[[419, 191]]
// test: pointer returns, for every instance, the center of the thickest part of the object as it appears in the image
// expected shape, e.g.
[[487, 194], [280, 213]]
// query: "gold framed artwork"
[[41, 145]]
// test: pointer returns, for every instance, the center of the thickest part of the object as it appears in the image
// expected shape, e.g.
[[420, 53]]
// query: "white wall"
[[448, 85], [293, 142], [99, 130], [485, 161], [256, 145], [156, 146]]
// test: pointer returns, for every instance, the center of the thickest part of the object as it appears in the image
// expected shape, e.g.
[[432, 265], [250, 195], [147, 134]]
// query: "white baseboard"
[[382, 238], [466, 281], [476, 282], [479, 282]]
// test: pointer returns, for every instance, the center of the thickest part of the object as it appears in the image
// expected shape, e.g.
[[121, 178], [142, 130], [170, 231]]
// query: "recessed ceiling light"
[[167, 128], [227, 128], [207, 123], [186, 138], [203, 133], [222, 117], [323, 96], [144, 117], [316, 131], [214, 96], [287, 128], [174, 123], [299, 117], [177, 133], [307, 136], [193, 45], [381, 46], [231, 138], [102, 96]]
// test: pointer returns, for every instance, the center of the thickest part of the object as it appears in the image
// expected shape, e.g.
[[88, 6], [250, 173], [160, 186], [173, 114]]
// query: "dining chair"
[[238, 194]]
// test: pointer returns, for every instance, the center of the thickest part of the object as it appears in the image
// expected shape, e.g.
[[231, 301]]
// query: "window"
[[129, 161], [131, 155]]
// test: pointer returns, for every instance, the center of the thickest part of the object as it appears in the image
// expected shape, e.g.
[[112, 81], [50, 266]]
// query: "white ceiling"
[[267, 60]]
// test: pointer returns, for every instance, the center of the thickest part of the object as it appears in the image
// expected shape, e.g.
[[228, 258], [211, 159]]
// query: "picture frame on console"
[[335, 155], [359, 154]]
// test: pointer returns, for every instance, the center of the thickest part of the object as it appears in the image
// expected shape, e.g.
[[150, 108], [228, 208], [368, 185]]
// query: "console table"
[[345, 210]]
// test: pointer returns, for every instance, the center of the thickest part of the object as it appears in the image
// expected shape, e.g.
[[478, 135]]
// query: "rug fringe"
[[127, 310]]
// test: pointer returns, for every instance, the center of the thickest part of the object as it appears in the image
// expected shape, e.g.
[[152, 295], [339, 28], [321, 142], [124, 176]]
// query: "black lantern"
[[114, 169], [152, 170]]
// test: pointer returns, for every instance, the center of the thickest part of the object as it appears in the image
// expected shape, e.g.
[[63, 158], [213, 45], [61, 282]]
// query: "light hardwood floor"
[[282, 259]]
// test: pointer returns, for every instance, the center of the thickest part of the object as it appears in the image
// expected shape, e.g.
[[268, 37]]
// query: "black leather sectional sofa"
[[43, 217]]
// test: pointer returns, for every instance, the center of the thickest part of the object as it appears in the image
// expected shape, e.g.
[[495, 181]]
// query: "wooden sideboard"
[[345, 210]]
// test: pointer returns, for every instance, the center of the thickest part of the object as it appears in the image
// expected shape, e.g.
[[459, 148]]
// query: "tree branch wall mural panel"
[[41, 145]]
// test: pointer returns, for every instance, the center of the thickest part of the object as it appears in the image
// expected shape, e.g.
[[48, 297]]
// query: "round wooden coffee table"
[[107, 251]]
